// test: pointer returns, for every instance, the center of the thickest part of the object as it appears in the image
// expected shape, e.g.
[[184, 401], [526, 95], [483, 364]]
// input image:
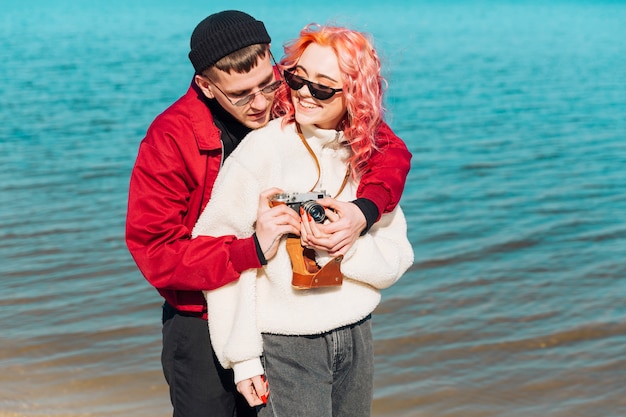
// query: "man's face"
[[228, 88]]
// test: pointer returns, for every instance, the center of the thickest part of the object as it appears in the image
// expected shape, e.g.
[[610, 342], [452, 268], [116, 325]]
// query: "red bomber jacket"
[[170, 184]]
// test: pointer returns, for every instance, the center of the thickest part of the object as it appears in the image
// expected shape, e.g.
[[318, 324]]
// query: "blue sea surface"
[[515, 113]]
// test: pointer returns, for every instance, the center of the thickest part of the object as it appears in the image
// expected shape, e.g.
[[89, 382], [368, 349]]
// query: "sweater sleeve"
[[236, 341], [386, 172], [382, 256], [232, 315]]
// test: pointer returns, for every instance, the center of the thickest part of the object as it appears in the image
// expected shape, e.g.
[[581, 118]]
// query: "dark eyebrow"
[[318, 75]]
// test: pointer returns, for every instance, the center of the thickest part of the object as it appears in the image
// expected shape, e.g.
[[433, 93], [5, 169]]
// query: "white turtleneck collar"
[[325, 138]]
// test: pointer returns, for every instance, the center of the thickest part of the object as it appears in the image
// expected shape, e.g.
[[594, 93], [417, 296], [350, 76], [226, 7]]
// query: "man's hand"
[[274, 222], [255, 390], [336, 237]]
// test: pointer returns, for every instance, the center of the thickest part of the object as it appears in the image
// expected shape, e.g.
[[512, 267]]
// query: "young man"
[[231, 94]]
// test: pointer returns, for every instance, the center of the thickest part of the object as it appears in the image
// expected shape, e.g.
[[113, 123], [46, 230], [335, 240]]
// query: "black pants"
[[199, 386]]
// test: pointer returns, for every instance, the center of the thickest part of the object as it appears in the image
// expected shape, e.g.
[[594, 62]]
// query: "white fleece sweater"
[[263, 301]]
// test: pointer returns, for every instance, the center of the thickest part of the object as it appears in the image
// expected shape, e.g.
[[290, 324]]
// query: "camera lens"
[[315, 210]]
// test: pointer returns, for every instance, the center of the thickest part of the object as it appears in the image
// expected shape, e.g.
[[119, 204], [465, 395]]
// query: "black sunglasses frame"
[[318, 91]]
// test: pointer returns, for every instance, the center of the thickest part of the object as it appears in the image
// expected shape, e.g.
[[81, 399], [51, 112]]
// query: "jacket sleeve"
[[387, 169], [383, 255], [158, 231]]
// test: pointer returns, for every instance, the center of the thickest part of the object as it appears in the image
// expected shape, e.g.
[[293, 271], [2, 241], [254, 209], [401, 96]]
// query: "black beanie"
[[222, 34]]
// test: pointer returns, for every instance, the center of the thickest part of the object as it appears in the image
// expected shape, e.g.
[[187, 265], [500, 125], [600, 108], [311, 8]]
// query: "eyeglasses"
[[269, 89], [319, 91]]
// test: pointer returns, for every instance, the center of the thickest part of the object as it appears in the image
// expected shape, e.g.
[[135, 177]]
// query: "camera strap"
[[317, 163], [307, 273]]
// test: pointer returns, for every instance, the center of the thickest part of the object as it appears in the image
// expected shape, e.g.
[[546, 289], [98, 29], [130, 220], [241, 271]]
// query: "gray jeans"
[[326, 375]]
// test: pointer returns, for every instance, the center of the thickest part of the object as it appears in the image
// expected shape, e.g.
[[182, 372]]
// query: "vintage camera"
[[304, 200]]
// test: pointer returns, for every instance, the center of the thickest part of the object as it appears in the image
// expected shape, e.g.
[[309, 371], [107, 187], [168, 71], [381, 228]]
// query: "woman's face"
[[319, 64]]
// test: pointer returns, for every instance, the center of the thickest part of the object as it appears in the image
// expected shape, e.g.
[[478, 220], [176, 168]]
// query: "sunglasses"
[[319, 91]]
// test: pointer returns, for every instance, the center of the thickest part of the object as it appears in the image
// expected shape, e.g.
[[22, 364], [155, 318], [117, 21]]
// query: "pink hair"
[[362, 86]]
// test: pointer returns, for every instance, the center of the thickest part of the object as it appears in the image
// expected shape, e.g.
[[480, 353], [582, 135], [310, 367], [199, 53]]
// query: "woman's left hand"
[[337, 236], [255, 390]]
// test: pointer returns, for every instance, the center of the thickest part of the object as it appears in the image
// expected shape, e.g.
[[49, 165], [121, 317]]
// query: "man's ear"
[[204, 85]]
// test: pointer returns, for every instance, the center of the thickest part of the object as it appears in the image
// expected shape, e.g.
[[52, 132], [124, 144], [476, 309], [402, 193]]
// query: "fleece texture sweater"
[[263, 300]]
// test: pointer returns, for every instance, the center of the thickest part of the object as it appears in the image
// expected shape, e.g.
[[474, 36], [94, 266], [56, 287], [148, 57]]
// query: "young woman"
[[311, 347]]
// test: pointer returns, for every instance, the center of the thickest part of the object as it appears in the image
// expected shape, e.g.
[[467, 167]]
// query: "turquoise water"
[[516, 116]]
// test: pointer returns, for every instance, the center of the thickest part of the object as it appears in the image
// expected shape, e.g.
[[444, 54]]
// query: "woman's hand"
[[274, 222], [255, 390], [337, 236]]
